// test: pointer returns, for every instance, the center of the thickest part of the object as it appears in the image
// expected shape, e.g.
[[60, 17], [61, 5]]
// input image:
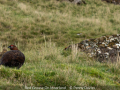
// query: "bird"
[[13, 58]]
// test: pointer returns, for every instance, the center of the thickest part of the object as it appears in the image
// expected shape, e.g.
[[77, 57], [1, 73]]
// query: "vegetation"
[[42, 28]]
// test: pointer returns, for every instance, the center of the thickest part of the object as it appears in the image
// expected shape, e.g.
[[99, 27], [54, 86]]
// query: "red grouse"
[[13, 58]]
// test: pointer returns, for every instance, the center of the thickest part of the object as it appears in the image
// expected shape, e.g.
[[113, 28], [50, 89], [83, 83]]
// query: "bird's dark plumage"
[[13, 58]]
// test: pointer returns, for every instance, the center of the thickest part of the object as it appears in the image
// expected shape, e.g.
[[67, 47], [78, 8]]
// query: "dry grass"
[[74, 69], [60, 21]]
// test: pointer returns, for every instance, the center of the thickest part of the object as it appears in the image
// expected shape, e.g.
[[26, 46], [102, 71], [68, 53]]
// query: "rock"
[[78, 2], [104, 48], [112, 1]]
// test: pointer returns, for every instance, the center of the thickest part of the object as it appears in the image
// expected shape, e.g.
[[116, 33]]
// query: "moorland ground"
[[42, 28]]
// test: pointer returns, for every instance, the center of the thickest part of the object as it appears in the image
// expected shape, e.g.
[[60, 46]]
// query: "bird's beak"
[[8, 46]]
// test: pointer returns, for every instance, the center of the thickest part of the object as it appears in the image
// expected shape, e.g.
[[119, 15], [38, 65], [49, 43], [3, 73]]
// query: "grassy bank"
[[42, 28], [27, 20], [51, 66]]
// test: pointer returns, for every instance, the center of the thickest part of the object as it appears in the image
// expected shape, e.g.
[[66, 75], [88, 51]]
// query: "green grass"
[[42, 28]]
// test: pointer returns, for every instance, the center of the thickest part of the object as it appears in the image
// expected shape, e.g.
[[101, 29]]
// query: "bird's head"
[[13, 47], [65, 48]]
